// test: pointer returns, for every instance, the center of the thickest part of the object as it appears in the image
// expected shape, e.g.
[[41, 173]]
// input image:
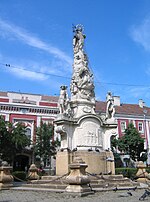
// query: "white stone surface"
[[84, 129]]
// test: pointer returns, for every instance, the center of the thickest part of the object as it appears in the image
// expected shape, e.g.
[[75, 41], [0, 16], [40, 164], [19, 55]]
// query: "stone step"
[[116, 189], [112, 177], [119, 181], [50, 186], [62, 181], [59, 183], [110, 180], [91, 176], [115, 177], [111, 183], [98, 182], [51, 189], [51, 177], [37, 189]]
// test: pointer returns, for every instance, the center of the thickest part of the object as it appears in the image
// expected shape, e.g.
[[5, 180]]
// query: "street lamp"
[[145, 131]]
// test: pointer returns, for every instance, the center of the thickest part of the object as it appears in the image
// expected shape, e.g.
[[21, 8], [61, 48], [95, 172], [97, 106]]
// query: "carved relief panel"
[[89, 133]]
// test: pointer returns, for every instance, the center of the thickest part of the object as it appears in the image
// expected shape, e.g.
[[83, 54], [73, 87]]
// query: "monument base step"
[[98, 183]]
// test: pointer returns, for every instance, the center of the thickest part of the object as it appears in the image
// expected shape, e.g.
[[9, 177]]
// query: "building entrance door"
[[21, 163]]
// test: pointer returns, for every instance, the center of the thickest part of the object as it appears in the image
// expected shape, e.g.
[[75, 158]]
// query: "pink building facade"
[[30, 109], [34, 108]]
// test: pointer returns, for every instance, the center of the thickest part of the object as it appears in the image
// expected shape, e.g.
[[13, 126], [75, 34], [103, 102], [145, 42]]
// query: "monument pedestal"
[[33, 172], [63, 159], [141, 174], [78, 180], [6, 179], [98, 162]]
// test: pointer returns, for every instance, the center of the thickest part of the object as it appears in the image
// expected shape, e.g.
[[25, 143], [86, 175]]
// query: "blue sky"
[[36, 40]]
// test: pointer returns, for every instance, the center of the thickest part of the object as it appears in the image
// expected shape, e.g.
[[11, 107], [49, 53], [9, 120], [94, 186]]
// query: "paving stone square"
[[40, 196]]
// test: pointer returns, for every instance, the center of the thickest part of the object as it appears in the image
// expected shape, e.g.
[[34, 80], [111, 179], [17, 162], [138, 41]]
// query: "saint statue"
[[63, 99], [82, 80], [110, 108], [78, 39]]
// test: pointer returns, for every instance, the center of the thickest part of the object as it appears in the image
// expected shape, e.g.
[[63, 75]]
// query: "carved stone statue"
[[110, 109], [64, 102], [78, 39], [82, 80], [63, 99]]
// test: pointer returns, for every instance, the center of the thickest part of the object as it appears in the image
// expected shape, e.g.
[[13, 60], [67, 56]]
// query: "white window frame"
[[124, 127], [142, 127]]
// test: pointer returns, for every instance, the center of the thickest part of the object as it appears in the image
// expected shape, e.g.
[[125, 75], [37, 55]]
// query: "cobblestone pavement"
[[38, 196]]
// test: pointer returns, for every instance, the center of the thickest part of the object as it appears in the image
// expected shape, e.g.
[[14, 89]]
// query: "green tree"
[[131, 143], [19, 137], [45, 146], [13, 139], [5, 140]]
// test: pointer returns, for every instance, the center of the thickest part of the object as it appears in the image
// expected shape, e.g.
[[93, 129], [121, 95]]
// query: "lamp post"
[[145, 131]]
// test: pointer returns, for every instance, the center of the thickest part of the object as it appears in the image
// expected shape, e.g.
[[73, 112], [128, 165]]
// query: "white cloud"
[[139, 92], [28, 38], [61, 61], [141, 33], [28, 69], [22, 73]]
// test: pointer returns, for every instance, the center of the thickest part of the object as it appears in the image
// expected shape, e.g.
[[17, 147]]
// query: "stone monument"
[[83, 132]]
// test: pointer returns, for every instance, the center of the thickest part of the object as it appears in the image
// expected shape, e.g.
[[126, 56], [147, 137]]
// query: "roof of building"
[[128, 109], [45, 98], [4, 94], [50, 98]]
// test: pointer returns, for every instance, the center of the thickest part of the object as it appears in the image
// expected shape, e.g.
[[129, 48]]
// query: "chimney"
[[141, 103], [116, 100]]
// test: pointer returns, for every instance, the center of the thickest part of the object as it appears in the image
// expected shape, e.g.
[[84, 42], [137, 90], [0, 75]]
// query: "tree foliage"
[[45, 144], [13, 139], [131, 143]]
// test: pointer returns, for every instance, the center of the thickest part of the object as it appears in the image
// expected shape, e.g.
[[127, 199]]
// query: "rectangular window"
[[140, 127], [123, 126]]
